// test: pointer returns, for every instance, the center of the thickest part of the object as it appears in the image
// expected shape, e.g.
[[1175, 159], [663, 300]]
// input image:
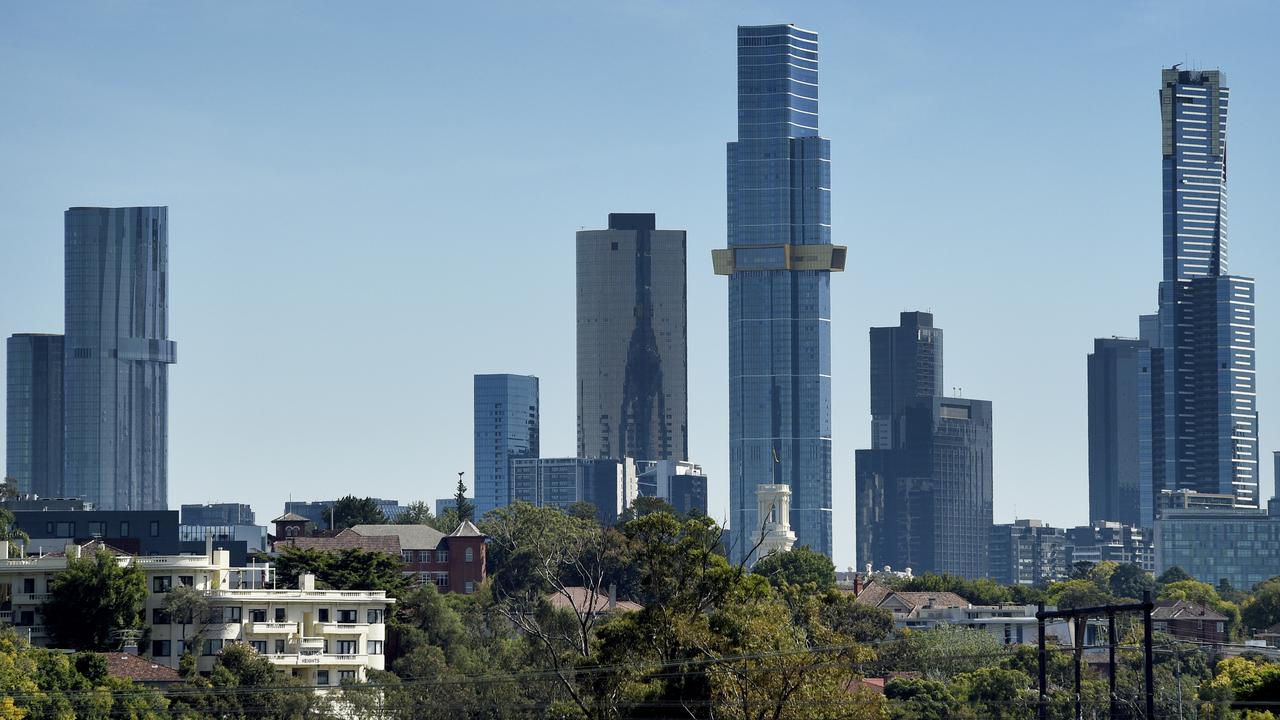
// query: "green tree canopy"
[[1173, 575], [93, 599], [1262, 610], [800, 566], [466, 509], [416, 513], [350, 569], [351, 510], [1130, 581], [9, 529]]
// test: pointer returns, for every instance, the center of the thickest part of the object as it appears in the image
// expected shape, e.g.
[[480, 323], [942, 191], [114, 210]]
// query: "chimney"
[[306, 581], [4, 549], [208, 547], [72, 552]]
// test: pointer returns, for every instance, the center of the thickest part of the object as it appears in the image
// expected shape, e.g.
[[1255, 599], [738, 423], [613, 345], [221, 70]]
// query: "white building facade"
[[323, 636]]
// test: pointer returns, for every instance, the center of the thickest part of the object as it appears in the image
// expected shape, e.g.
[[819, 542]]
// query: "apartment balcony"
[[336, 628], [318, 659], [277, 596], [273, 628], [30, 598]]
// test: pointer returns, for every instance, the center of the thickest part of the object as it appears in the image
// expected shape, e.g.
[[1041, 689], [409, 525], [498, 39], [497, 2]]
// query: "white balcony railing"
[[273, 627]]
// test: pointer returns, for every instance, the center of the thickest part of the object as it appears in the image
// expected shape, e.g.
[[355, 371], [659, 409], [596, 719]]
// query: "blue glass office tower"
[[779, 262], [117, 356], [1118, 391], [506, 427], [33, 413], [924, 489], [1204, 418]]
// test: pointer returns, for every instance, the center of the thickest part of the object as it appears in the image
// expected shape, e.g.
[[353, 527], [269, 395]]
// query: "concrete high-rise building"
[[1117, 391], [632, 341], [1204, 418], [779, 261], [117, 355], [924, 493], [33, 413], [506, 428]]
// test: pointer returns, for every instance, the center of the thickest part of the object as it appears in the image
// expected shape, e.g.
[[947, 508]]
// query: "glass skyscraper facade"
[[506, 428], [779, 262], [33, 413], [924, 490], [632, 341], [117, 354], [1116, 398], [1204, 419]]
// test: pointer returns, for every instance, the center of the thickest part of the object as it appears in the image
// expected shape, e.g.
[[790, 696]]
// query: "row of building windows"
[[233, 614], [441, 556]]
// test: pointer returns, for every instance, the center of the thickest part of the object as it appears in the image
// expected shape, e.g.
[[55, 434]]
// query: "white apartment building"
[[323, 636]]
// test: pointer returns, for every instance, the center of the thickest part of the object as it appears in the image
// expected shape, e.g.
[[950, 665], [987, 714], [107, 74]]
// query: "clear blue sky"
[[370, 202]]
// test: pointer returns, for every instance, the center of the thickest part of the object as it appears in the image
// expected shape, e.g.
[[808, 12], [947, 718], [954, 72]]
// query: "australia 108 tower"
[[779, 262]]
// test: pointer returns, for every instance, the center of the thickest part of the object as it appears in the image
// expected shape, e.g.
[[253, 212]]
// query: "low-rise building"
[[1239, 545], [141, 532], [682, 484], [217, 514], [453, 562], [1028, 552], [1010, 624], [608, 484], [1190, 621], [1111, 541], [323, 636]]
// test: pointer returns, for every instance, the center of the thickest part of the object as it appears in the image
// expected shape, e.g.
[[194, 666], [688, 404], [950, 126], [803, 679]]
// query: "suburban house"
[[1191, 621], [453, 562], [323, 636], [1008, 623]]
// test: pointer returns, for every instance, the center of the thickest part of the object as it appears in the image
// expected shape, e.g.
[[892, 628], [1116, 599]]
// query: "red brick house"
[[453, 563], [1186, 620]]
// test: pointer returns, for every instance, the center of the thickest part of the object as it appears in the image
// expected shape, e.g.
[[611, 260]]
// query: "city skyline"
[[306, 284]]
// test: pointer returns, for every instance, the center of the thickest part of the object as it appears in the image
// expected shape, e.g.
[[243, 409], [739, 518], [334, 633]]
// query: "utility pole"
[[1082, 615]]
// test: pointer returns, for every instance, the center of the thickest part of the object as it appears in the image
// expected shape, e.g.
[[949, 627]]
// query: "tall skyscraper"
[[506, 428], [117, 356], [906, 366], [33, 412], [632, 341], [779, 262], [1204, 434], [924, 491], [1118, 388]]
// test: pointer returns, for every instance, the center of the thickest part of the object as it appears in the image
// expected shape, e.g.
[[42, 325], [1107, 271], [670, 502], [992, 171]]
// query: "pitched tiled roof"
[[874, 593], [466, 528], [931, 599], [290, 517], [138, 669], [1185, 610], [581, 599], [411, 537], [345, 540]]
